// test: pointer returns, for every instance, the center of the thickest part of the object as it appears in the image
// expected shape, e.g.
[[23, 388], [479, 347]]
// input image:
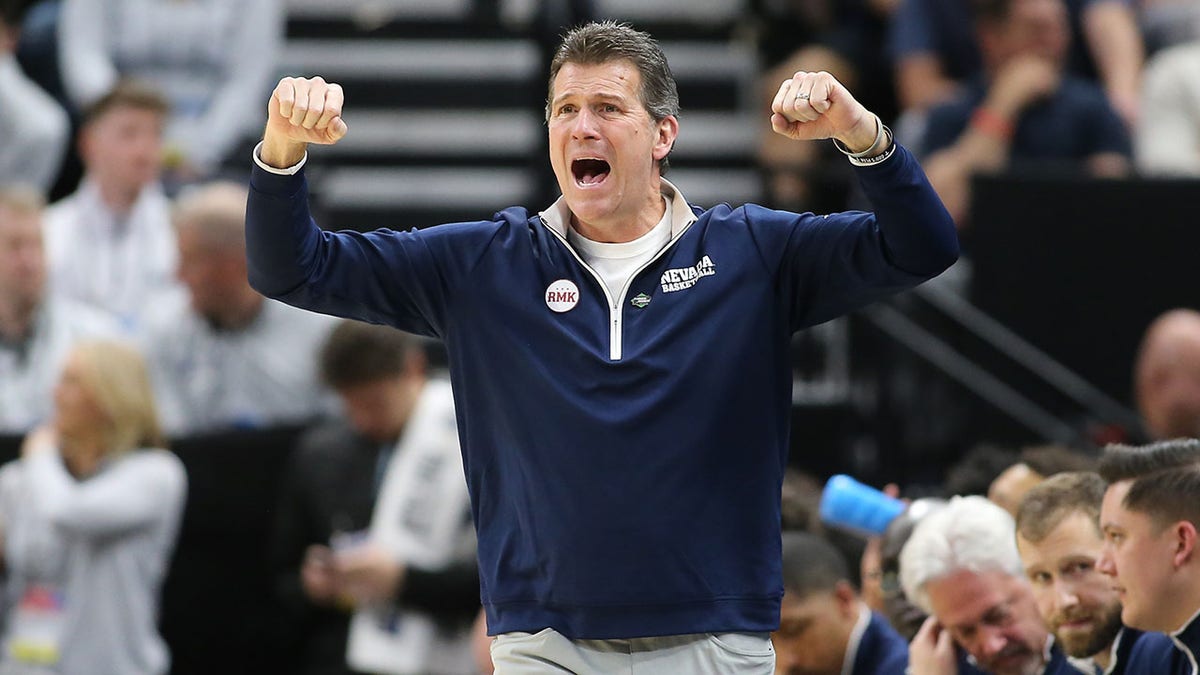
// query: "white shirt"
[[34, 128], [29, 371], [121, 264], [1167, 141], [207, 379], [616, 263]]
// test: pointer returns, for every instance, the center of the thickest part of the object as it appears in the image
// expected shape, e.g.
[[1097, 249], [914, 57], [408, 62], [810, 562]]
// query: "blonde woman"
[[90, 513]]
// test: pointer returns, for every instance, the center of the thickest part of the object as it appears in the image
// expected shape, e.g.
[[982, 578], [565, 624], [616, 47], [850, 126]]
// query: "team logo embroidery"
[[562, 295], [684, 278], [640, 300]]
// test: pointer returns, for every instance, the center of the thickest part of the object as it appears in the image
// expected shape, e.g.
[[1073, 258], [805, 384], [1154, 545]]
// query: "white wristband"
[[874, 154]]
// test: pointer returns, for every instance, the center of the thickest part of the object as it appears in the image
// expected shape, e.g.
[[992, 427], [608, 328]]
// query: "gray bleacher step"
[[379, 11], [511, 59], [424, 187], [461, 60]]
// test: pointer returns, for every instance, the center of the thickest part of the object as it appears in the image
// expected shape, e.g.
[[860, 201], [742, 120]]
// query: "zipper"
[[615, 308]]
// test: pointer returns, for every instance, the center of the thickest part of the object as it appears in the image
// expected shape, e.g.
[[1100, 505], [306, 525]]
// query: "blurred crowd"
[[126, 318]]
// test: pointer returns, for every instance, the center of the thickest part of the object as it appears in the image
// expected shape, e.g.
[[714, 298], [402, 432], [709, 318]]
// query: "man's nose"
[[1064, 593], [584, 125], [1105, 564]]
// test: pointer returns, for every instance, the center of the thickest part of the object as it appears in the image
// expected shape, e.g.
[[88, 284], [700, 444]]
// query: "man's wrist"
[[289, 170], [281, 154]]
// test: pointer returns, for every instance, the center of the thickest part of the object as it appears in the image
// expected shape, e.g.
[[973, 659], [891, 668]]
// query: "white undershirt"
[[616, 263]]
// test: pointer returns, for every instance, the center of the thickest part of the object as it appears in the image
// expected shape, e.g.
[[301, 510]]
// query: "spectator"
[[229, 358], [1167, 375], [1167, 141], [110, 244], [36, 328], [1058, 537], [961, 566], [33, 125], [1033, 465], [825, 629], [91, 512], [977, 469], [388, 479], [935, 51], [1025, 110], [214, 60], [1149, 519]]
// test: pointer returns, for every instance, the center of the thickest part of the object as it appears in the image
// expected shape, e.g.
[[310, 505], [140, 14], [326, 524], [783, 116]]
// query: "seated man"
[[37, 329], [825, 629], [375, 517], [1058, 536], [232, 358], [1167, 376], [1150, 517], [961, 566], [1024, 110]]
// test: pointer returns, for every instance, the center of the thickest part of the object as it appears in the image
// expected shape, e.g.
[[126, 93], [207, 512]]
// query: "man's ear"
[[1184, 532], [846, 598], [668, 130]]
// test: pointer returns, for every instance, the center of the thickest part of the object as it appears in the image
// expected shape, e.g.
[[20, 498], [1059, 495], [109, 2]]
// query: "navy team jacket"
[[624, 454]]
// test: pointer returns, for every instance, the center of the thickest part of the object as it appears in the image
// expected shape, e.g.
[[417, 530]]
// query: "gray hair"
[[601, 42], [217, 211], [970, 533]]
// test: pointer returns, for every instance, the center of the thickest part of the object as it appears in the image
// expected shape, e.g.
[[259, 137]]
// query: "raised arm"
[[136, 492], [844, 260]]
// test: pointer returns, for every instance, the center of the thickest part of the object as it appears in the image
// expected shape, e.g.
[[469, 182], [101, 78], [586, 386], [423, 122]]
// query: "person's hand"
[[814, 106], [1021, 82], [40, 440], [368, 573], [931, 651], [317, 577], [301, 111]]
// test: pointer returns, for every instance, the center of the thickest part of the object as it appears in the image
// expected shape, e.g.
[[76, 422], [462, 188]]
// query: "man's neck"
[[16, 320], [118, 198], [237, 316], [621, 232]]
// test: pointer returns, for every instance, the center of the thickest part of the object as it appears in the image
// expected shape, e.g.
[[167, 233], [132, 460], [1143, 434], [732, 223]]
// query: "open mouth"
[[589, 172]]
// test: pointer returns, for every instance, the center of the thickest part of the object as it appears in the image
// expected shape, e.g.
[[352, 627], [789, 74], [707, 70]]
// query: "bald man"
[[1167, 375]]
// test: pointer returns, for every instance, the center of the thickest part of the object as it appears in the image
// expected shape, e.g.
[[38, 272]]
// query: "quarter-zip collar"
[[1187, 639], [557, 216]]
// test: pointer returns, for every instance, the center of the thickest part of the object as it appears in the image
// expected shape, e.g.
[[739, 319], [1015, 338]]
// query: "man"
[[228, 357], [1024, 109], [374, 514], [1058, 536], [1167, 375], [110, 243], [961, 566], [824, 628], [37, 330], [620, 359], [1149, 519]]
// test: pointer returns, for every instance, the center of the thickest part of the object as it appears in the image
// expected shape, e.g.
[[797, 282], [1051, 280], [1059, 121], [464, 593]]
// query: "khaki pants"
[[549, 652]]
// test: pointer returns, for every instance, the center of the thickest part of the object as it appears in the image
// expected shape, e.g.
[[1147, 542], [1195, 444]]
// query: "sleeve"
[[833, 264], [1168, 133], [132, 494], [85, 62], [1108, 132], [911, 30], [402, 279], [944, 125], [253, 56], [449, 592]]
